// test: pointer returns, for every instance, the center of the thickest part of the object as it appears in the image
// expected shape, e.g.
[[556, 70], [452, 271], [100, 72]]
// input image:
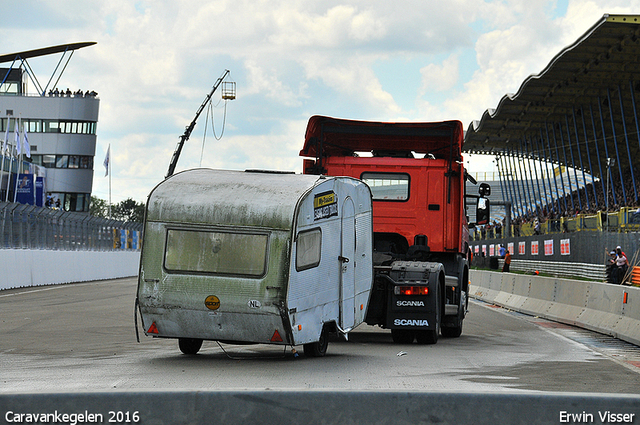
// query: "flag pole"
[[6, 197], [4, 149], [19, 151], [111, 172], [107, 165]]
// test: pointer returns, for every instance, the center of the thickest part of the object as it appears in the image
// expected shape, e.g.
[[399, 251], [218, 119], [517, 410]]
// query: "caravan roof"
[[229, 197]]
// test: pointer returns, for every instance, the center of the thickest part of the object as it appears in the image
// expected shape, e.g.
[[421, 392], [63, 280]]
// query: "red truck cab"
[[417, 178]]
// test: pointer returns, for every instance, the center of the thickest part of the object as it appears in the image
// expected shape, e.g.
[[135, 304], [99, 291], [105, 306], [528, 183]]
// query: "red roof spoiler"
[[341, 137]]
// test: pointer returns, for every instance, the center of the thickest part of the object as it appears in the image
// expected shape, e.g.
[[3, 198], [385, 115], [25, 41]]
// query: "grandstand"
[[567, 146]]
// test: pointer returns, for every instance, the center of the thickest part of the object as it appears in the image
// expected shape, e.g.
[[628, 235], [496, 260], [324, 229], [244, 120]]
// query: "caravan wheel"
[[318, 349], [189, 346]]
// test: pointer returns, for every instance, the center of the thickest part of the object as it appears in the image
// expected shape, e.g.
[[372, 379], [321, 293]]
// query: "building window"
[[63, 161], [49, 161], [74, 161], [78, 202]]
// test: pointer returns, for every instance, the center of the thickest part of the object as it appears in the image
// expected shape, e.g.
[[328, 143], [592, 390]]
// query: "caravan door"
[[348, 264]]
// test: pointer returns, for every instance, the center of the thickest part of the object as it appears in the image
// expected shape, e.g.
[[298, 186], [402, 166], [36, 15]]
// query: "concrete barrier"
[[320, 407], [25, 267], [610, 309]]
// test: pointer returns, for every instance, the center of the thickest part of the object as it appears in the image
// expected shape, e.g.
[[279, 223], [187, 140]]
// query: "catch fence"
[[30, 227]]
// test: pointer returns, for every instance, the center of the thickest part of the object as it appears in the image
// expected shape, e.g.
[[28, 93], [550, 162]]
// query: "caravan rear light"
[[411, 290]]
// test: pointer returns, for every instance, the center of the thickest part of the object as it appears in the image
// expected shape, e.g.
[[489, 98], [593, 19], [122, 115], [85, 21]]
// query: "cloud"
[[440, 77], [156, 60]]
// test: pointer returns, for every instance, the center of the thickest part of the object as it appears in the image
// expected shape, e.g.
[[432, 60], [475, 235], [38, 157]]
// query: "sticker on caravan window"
[[325, 205]]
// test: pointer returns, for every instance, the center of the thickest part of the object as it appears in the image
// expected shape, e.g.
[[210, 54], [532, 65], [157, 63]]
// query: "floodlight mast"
[[189, 129]]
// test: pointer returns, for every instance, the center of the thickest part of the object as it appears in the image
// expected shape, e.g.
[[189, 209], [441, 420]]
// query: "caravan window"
[[228, 253], [308, 248]]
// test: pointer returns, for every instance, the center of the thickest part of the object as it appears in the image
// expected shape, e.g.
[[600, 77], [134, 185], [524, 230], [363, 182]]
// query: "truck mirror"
[[482, 211], [484, 190]]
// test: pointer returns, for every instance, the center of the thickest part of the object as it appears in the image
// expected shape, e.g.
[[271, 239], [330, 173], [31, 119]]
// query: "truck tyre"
[[454, 332], [402, 336], [431, 337], [189, 346], [318, 349]]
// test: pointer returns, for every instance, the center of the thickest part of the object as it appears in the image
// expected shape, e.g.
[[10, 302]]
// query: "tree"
[[127, 210], [98, 207]]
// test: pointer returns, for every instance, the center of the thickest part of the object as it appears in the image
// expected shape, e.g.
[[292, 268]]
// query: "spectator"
[[622, 264], [507, 262], [503, 251], [610, 267]]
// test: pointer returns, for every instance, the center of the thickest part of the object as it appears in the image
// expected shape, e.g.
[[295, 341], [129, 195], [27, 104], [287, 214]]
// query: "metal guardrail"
[[594, 272], [30, 227]]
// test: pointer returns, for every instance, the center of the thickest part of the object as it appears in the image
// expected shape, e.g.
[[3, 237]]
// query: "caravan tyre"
[[189, 346], [318, 349]]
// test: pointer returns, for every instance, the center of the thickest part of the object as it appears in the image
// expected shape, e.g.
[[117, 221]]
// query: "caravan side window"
[[228, 253], [308, 248]]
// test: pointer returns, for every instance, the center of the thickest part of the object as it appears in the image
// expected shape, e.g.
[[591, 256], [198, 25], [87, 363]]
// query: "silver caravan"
[[255, 257]]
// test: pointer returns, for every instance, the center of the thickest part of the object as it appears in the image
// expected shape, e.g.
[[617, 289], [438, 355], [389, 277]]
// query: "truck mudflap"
[[408, 299]]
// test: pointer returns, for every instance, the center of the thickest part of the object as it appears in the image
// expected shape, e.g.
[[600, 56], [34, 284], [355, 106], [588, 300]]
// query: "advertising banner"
[[25, 192], [565, 246], [40, 194], [522, 247], [548, 247], [534, 248]]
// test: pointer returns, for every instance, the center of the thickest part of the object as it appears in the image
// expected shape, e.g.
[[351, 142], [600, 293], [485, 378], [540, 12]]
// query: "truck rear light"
[[411, 290]]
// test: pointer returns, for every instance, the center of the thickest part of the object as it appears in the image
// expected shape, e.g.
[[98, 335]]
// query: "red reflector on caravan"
[[411, 290], [276, 337], [153, 329]]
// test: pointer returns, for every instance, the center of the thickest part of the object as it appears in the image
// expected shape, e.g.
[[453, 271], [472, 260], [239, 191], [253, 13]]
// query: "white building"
[[61, 126]]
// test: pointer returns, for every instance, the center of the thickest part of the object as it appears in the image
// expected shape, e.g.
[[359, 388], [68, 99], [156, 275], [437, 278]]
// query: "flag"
[[25, 143], [6, 138], [18, 147], [106, 161]]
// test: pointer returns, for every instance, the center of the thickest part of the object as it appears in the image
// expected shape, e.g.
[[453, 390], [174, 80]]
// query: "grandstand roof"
[[44, 51], [601, 65]]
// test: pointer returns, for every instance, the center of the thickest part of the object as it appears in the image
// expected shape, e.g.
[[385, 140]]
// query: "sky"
[[413, 60]]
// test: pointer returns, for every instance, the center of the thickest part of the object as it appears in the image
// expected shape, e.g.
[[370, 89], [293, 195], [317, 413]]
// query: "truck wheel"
[[189, 346], [454, 332], [431, 337], [402, 336], [427, 337], [318, 349]]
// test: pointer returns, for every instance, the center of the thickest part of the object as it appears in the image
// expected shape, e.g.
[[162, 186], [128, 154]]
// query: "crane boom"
[[189, 129]]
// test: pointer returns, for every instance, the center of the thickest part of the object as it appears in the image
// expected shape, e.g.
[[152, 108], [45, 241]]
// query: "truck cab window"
[[387, 186]]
